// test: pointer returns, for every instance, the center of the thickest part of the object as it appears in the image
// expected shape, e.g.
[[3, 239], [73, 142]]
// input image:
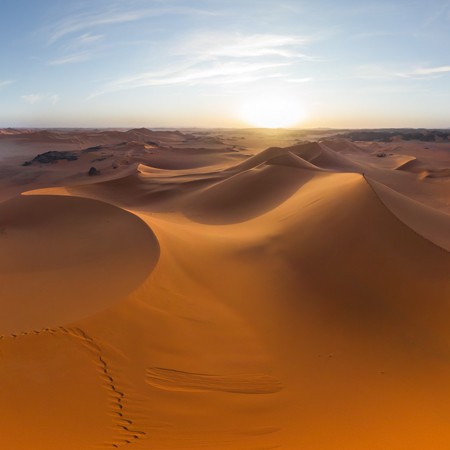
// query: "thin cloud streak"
[[299, 80], [71, 59], [82, 22], [88, 39], [85, 21], [211, 46], [433, 70], [221, 59], [33, 99], [379, 73], [222, 73], [425, 72]]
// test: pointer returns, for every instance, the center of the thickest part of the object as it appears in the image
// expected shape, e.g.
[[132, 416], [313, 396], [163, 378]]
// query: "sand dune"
[[291, 160], [59, 256], [428, 222], [248, 194], [292, 298]]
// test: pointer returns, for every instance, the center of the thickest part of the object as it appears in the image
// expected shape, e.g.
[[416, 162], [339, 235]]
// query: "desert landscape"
[[224, 289], [224, 225]]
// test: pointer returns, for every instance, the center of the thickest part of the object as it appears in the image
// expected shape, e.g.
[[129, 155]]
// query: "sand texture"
[[223, 290]]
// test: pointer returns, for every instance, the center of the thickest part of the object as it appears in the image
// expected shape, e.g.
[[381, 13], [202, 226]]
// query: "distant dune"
[[232, 289]]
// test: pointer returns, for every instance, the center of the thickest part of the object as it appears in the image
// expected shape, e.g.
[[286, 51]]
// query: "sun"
[[272, 111]]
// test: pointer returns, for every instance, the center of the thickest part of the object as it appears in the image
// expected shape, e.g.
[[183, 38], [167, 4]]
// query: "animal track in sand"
[[176, 380], [124, 425]]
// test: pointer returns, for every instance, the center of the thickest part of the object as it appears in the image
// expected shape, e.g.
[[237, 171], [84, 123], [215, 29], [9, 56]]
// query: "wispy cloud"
[[86, 21], [299, 80], [218, 73], [75, 35], [91, 19], [5, 83], [425, 72], [78, 49], [244, 46], [88, 39], [33, 99], [432, 70], [216, 58], [72, 58]]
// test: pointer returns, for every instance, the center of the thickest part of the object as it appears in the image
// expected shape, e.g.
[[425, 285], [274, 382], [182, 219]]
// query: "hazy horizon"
[[242, 128], [205, 64]]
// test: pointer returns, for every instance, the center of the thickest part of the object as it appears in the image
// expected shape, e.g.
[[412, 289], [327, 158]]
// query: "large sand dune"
[[293, 298]]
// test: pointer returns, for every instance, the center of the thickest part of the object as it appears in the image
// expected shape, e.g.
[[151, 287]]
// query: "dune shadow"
[[246, 195]]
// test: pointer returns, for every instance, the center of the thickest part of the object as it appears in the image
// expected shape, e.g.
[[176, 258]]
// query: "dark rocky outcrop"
[[93, 171], [92, 149], [393, 134], [52, 157]]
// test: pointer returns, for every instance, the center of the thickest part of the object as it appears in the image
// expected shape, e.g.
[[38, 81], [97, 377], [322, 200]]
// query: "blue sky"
[[171, 63]]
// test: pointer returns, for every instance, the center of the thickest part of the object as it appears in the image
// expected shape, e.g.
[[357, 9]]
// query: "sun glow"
[[273, 111]]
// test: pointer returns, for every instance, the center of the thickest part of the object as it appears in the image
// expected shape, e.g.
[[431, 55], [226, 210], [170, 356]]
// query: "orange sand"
[[199, 296]]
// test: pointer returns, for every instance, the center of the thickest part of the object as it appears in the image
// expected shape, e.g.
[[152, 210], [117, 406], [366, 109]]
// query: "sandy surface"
[[226, 289]]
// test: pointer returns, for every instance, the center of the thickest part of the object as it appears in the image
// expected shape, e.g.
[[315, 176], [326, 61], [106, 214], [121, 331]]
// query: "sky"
[[225, 63]]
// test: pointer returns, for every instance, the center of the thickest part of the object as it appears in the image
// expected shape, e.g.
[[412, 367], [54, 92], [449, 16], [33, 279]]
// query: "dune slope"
[[62, 259]]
